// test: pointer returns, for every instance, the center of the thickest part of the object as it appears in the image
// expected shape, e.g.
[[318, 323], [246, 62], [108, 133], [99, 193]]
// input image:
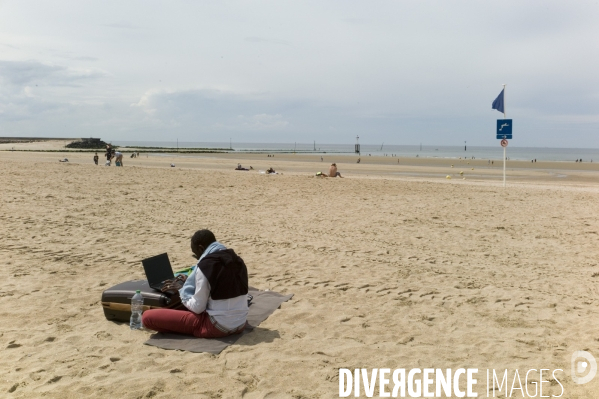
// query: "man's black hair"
[[203, 237]]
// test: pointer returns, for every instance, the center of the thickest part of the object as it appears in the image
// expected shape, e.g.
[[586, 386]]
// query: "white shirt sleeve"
[[198, 301]]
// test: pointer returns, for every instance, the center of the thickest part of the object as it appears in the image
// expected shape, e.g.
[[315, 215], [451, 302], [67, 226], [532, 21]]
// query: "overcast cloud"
[[399, 72]]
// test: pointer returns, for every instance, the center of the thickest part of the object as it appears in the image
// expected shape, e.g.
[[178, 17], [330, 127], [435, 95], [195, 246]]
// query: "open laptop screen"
[[158, 268]]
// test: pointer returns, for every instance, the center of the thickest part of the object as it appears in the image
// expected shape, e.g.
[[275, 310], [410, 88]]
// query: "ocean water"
[[495, 153]]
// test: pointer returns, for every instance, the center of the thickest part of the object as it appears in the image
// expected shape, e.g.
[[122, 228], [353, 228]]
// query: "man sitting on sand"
[[333, 171], [215, 294]]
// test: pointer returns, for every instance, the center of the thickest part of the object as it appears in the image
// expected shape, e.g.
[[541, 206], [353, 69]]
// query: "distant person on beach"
[[333, 171], [108, 154], [215, 294], [96, 158], [239, 167], [118, 158], [358, 160], [270, 170], [63, 160]]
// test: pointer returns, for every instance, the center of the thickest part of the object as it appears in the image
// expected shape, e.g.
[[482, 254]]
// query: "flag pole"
[[504, 117]]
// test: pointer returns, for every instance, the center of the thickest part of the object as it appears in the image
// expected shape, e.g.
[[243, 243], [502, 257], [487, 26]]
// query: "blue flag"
[[498, 103]]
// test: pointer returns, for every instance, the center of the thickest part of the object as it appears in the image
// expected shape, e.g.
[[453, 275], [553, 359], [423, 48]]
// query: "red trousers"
[[182, 322]]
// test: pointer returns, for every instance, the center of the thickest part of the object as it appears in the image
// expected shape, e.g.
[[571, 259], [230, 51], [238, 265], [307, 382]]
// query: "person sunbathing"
[[333, 171], [214, 295]]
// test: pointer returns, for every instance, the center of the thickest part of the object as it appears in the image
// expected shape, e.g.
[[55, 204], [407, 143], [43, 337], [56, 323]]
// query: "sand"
[[393, 266]]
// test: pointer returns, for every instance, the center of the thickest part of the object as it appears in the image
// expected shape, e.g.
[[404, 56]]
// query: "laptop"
[[158, 269]]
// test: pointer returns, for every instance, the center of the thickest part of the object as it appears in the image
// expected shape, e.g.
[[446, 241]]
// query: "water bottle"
[[137, 303]]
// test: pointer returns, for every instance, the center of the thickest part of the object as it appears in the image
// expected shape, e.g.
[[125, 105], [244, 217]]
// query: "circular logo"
[[581, 372], [504, 143]]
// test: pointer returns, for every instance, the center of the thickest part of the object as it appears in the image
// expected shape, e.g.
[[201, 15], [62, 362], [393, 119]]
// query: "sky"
[[398, 72]]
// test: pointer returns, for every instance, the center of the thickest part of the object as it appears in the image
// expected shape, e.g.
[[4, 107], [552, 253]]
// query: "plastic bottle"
[[136, 310]]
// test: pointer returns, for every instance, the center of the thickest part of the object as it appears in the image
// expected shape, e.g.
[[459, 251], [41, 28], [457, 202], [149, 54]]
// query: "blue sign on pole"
[[504, 129]]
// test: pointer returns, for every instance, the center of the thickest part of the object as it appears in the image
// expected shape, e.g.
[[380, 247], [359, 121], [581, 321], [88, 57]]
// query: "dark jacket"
[[227, 274]]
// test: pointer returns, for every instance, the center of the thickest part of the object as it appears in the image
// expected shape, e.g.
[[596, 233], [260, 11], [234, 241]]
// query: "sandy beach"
[[394, 266]]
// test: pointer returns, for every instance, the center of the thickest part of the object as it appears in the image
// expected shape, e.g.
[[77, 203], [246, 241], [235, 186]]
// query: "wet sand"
[[517, 172]]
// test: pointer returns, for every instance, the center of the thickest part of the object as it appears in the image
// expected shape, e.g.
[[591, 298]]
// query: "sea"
[[425, 151]]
